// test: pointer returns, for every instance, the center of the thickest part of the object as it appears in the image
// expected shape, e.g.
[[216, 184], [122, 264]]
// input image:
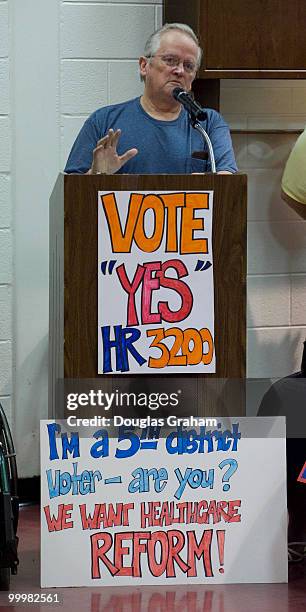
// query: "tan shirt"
[[294, 177]]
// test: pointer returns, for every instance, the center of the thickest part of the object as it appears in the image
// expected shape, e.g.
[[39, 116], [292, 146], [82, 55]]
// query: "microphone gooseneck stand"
[[196, 113], [197, 126]]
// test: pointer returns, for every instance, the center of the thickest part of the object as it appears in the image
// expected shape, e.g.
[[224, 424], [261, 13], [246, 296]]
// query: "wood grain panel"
[[254, 35], [56, 292], [175, 11], [246, 38], [229, 248]]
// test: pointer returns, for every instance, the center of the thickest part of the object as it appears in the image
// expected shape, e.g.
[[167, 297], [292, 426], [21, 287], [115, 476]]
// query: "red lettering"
[[138, 549], [157, 569], [120, 551], [130, 289], [180, 287], [98, 553], [62, 520], [203, 549], [174, 550], [149, 285]]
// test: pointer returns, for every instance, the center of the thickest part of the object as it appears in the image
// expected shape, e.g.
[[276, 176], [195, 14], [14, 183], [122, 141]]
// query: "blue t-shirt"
[[164, 147]]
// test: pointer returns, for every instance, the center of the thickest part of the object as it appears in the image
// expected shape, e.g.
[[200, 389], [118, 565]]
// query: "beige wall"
[[6, 270], [276, 235]]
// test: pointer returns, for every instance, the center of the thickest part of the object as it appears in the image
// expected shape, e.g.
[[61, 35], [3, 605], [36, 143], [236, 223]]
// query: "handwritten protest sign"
[[155, 282], [180, 506]]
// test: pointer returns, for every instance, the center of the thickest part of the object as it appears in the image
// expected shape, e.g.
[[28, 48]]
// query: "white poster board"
[[205, 508], [155, 282]]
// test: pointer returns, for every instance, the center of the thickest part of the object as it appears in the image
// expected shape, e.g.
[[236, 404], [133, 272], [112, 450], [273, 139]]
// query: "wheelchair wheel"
[[7, 446], [9, 506]]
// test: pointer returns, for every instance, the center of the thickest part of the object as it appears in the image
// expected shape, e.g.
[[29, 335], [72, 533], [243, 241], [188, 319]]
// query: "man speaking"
[[153, 134]]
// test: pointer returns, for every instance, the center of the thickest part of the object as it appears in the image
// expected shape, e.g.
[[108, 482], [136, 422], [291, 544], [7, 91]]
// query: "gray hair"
[[153, 42]]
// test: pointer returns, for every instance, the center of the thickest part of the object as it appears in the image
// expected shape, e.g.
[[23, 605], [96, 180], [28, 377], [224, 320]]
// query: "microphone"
[[192, 107]]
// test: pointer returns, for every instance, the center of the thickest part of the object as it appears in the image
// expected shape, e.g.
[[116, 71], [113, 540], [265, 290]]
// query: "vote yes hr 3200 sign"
[[155, 282]]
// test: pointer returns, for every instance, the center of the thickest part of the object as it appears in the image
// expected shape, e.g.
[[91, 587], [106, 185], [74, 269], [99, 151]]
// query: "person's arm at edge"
[[298, 207]]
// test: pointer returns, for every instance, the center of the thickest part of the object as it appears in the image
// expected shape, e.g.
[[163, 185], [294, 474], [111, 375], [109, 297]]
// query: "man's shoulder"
[[214, 118], [113, 109]]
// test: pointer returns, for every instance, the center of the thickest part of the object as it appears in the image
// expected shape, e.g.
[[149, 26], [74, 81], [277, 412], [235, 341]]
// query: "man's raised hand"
[[105, 157]]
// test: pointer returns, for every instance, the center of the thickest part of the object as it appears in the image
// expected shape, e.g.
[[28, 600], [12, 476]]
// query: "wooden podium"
[[73, 270]]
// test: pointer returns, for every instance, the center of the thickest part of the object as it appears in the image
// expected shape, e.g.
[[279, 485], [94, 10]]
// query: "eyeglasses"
[[173, 61]]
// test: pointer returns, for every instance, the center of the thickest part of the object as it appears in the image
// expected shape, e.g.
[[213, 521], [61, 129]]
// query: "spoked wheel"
[[9, 506]]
